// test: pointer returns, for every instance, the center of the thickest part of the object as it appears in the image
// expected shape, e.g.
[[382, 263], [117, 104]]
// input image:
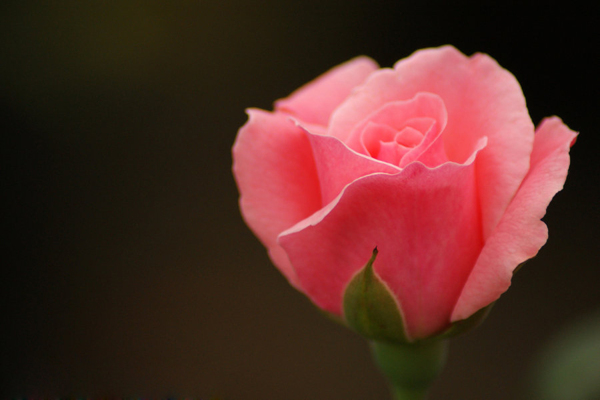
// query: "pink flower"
[[435, 162]]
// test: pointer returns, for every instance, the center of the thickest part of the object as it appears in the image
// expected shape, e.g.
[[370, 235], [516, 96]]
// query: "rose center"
[[403, 131], [392, 143]]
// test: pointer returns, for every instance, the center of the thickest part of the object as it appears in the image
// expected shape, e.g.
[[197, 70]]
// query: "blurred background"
[[128, 270]]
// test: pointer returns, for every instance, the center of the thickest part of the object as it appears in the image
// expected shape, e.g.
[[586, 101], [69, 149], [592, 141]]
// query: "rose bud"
[[435, 163]]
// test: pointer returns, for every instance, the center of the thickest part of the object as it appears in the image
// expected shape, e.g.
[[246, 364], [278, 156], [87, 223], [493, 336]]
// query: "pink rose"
[[435, 162]]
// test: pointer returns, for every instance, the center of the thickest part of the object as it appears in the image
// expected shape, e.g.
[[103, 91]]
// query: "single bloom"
[[435, 162]]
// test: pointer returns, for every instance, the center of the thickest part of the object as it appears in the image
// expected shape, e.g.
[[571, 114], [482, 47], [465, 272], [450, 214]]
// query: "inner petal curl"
[[400, 131]]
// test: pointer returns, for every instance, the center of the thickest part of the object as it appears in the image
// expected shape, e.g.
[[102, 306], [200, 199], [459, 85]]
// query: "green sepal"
[[465, 325], [371, 309]]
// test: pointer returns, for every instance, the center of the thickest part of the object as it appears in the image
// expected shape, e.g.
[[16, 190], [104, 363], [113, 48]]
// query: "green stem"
[[410, 368]]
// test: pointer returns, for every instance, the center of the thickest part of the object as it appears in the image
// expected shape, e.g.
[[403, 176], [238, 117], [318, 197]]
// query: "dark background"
[[128, 269]]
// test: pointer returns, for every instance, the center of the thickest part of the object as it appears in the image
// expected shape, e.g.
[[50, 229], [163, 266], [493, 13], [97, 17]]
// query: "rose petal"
[[372, 136], [521, 233], [276, 176], [409, 137], [315, 101], [367, 99], [338, 165], [425, 224], [482, 99], [397, 114], [392, 152]]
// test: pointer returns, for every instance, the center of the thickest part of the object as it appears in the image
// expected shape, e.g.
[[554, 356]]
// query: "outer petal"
[[277, 179], [314, 102], [521, 233], [482, 99], [425, 225]]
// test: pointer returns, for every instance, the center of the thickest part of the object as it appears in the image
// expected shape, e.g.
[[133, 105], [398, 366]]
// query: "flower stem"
[[410, 368]]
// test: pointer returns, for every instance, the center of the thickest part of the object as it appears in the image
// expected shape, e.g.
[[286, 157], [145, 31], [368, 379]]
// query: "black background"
[[128, 270]]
